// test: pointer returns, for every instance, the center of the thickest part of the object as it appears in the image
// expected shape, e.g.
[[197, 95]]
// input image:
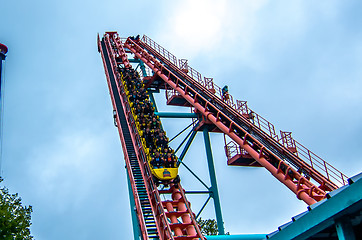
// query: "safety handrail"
[[318, 163], [170, 93], [232, 149], [194, 74], [160, 49]]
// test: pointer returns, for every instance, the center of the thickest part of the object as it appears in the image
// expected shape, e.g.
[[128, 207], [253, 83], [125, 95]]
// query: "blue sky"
[[297, 63]]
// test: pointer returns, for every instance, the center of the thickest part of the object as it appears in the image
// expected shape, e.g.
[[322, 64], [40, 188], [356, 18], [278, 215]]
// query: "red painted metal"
[[188, 83], [175, 99], [178, 208], [189, 229], [118, 50], [266, 126], [3, 48], [329, 172], [237, 156], [315, 161]]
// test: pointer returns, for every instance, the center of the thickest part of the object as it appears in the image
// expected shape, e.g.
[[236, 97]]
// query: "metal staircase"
[[140, 190]]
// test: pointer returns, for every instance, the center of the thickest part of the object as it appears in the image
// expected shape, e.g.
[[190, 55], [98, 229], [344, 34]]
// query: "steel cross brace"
[[213, 190]]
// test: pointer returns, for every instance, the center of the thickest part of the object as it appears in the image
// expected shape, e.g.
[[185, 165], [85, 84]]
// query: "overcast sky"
[[297, 63]]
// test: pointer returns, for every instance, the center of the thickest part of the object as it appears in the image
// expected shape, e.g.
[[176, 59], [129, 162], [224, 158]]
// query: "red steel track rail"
[[306, 159], [173, 218], [287, 167], [302, 157]]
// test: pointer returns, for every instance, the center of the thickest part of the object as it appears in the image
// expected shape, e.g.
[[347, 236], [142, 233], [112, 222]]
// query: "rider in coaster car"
[[157, 160]]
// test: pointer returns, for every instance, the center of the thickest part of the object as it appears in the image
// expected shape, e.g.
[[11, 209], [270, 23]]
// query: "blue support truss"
[[213, 188]]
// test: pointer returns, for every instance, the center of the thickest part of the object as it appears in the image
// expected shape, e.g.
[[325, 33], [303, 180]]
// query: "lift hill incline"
[[157, 219]]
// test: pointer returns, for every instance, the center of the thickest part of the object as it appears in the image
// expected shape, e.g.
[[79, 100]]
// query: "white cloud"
[[243, 31], [69, 164], [214, 28], [195, 25]]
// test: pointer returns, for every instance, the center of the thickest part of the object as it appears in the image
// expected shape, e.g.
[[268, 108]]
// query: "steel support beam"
[[140, 64], [203, 206], [136, 229], [1, 66], [186, 148], [175, 115], [345, 230], [143, 68], [183, 141], [182, 132], [213, 188], [134, 60], [197, 192], [196, 177]]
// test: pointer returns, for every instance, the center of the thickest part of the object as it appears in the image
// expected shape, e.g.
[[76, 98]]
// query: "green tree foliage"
[[208, 226], [14, 218]]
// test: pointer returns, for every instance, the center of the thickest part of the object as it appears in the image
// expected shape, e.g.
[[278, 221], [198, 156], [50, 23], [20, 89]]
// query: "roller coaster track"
[[170, 218], [278, 155]]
